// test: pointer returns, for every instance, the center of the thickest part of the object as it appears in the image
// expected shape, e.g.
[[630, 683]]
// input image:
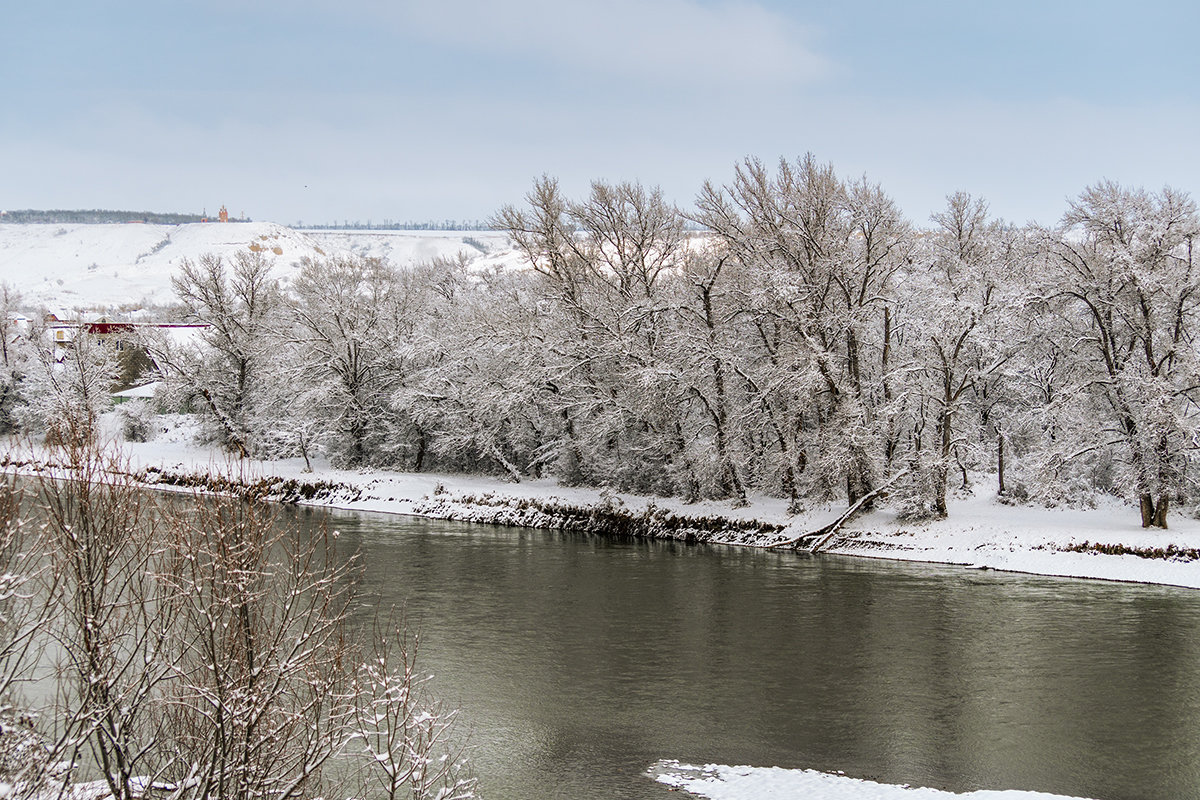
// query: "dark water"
[[578, 662]]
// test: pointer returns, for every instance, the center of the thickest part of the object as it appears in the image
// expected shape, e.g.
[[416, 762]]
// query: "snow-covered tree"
[[475, 390], [954, 307], [704, 351], [824, 254], [14, 352], [67, 387], [1122, 274], [349, 315], [238, 301], [605, 261]]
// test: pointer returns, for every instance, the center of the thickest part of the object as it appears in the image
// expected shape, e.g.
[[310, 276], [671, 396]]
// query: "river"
[[578, 661]]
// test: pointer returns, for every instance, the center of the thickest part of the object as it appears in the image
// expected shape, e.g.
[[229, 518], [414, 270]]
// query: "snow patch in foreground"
[[775, 783]]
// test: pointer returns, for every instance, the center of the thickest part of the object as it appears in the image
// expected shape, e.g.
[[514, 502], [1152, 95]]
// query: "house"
[[134, 359]]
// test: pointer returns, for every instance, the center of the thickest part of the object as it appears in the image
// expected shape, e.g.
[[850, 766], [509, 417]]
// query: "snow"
[[143, 391], [123, 265], [482, 248], [980, 531], [773, 783]]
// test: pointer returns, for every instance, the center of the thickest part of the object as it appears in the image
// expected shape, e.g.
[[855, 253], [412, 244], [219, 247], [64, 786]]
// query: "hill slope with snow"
[[130, 266]]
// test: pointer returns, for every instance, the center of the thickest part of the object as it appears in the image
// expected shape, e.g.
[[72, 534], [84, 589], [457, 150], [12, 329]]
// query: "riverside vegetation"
[[808, 342], [196, 647]]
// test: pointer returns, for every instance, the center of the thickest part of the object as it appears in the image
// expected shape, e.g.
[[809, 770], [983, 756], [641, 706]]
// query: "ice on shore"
[[774, 783]]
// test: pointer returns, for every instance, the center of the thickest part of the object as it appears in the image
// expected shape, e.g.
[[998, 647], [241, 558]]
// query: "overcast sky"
[[313, 110]]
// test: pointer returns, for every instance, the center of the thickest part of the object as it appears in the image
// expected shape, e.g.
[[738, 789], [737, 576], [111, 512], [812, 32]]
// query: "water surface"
[[579, 661]]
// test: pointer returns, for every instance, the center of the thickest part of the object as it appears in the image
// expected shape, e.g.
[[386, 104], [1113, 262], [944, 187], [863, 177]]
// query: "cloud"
[[649, 40]]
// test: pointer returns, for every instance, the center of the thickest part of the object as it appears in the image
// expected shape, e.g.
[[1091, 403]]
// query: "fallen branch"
[[821, 536]]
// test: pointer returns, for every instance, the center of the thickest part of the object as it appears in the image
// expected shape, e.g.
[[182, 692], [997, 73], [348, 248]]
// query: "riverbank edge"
[[651, 522], [597, 512]]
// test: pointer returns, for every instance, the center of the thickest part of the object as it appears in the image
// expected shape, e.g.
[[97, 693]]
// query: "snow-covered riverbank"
[[980, 531], [772, 783]]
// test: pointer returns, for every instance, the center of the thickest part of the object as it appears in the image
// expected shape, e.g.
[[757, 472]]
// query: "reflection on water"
[[578, 662]]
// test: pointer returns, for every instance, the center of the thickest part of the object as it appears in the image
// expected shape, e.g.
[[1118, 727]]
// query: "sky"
[[369, 110]]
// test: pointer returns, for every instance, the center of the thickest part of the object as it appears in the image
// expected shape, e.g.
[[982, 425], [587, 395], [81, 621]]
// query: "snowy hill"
[[130, 265]]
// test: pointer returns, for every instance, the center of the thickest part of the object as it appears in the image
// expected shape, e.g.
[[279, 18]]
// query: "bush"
[[208, 646], [137, 420]]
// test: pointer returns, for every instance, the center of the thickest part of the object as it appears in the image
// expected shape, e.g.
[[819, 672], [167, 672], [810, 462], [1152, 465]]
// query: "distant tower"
[[223, 215]]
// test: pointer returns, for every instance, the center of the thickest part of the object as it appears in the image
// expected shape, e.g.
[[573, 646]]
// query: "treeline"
[[812, 343], [391, 225], [97, 216], [425, 225]]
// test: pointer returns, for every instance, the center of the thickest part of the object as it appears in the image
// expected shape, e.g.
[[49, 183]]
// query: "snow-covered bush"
[[137, 418]]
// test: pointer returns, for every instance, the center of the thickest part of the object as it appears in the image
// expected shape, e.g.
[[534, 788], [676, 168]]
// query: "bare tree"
[[260, 666], [404, 738], [101, 534], [24, 615]]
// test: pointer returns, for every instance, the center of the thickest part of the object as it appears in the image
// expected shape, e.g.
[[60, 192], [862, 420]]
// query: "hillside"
[[115, 266]]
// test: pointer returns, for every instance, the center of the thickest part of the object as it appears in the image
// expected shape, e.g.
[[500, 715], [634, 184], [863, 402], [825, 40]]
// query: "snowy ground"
[[773, 783], [979, 532], [124, 266], [983, 533]]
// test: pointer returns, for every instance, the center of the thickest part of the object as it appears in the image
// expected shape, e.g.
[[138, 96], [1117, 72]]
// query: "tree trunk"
[[728, 468], [941, 470], [570, 465], [940, 480], [1000, 462], [858, 484], [789, 488], [1160, 512], [357, 448], [419, 460], [719, 415], [1154, 515]]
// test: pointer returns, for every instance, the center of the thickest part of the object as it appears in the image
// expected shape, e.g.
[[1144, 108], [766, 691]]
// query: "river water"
[[579, 661]]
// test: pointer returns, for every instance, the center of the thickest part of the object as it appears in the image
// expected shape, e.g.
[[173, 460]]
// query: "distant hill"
[[97, 216], [106, 266]]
